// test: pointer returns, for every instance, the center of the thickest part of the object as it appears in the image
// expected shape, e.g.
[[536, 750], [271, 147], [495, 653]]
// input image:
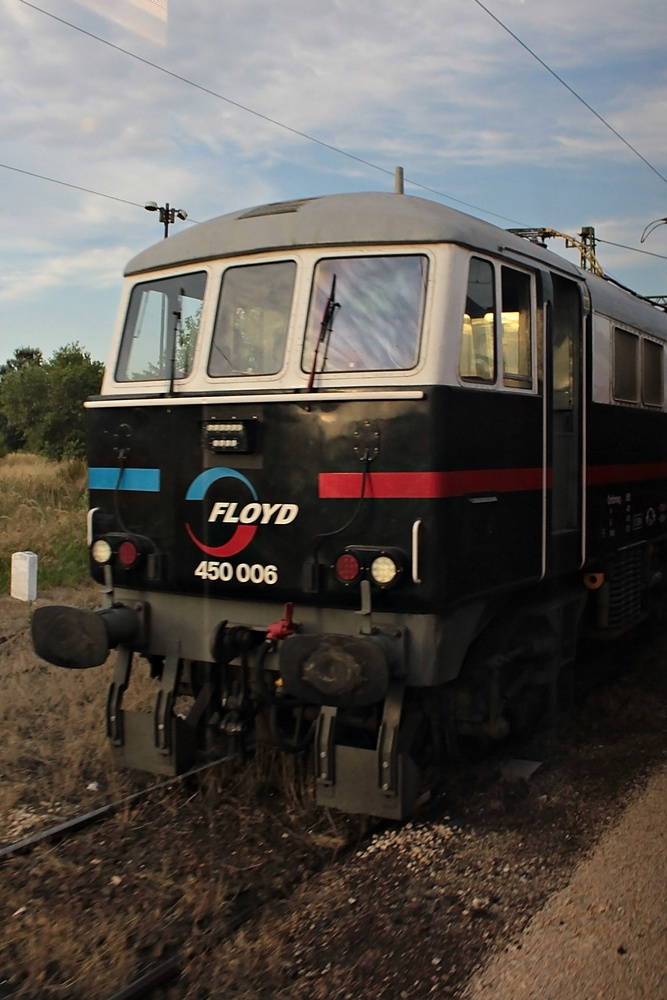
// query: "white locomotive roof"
[[342, 219], [377, 218]]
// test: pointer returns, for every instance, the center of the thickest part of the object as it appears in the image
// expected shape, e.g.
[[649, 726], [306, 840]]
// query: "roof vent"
[[277, 208]]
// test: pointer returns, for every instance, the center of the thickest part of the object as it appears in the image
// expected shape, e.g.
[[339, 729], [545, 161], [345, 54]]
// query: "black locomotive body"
[[361, 471]]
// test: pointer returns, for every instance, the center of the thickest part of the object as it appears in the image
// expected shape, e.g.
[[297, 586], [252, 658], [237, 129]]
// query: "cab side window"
[[485, 326], [161, 328], [478, 344], [516, 329]]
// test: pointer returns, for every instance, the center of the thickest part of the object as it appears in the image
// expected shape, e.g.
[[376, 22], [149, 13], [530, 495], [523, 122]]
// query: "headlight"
[[383, 566], [101, 551], [383, 570], [119, 549]]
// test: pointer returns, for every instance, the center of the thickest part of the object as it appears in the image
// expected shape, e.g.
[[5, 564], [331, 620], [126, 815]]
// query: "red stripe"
[[435, 485], [427, 485], [598, 475]]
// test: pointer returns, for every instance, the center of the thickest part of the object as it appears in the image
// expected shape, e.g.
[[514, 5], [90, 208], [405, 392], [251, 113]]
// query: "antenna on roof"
[[398, 181]]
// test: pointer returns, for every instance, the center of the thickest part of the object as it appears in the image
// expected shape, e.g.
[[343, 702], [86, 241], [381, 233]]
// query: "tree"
[[23, 356], [11, 438], [44, 400]]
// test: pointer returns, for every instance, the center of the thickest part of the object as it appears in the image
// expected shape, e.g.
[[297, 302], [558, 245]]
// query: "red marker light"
[[128, 553], [347, 567]]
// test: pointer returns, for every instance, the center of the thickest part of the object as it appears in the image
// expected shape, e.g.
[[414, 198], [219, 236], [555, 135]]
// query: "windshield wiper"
[[177, 314], [326, 326]]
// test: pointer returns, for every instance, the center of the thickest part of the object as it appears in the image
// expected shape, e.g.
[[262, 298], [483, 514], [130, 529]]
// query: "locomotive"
[[362, 471]]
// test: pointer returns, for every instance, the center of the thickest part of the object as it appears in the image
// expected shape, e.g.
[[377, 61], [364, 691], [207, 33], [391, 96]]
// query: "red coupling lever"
[[284, 627]]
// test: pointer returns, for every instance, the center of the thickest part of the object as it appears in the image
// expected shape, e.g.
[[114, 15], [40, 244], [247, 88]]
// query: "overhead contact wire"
[[257, 114], [571, 90], [311, 138]]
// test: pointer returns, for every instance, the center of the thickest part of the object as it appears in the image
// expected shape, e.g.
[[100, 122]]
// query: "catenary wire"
[[260, 115], [135, 204], [571, 90], [320, 142], [623, 246], [76, 187], [336, 149]]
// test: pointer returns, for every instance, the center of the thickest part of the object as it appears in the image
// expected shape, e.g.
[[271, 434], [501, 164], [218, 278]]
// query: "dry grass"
[[54, 743], [95, 961], [43, 510], [52, 720]]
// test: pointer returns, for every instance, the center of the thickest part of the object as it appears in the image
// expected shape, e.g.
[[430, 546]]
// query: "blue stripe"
[[198, 487], [140, 480]]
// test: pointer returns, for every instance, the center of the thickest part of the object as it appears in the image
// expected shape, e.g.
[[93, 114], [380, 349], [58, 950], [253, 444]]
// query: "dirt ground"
[[257, 894], [604, 936]]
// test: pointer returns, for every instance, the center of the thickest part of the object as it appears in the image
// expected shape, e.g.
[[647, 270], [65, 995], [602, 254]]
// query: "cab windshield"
[[161, 329], [252, 319], [377, 321]]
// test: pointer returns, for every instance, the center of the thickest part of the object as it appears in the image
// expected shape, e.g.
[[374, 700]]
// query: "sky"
[[525, 113]]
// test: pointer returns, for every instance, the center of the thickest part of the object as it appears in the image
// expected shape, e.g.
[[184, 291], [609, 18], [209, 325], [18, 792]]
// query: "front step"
[[356, 788], [382, 782]]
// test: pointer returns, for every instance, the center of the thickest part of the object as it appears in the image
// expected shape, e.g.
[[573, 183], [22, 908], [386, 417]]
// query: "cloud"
[[435, 76], [95, 268], [143, 17], [438, 87]]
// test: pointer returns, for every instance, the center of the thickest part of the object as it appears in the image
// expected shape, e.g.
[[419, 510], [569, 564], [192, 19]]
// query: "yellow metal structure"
[[584, 243]]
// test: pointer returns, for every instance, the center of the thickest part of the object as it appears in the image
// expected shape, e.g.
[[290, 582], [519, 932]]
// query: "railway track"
[[150, 905], [380, 838], [67, 842], [76, 823]]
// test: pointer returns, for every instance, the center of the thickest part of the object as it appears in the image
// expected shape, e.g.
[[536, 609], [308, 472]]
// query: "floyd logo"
[[245, 517]]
